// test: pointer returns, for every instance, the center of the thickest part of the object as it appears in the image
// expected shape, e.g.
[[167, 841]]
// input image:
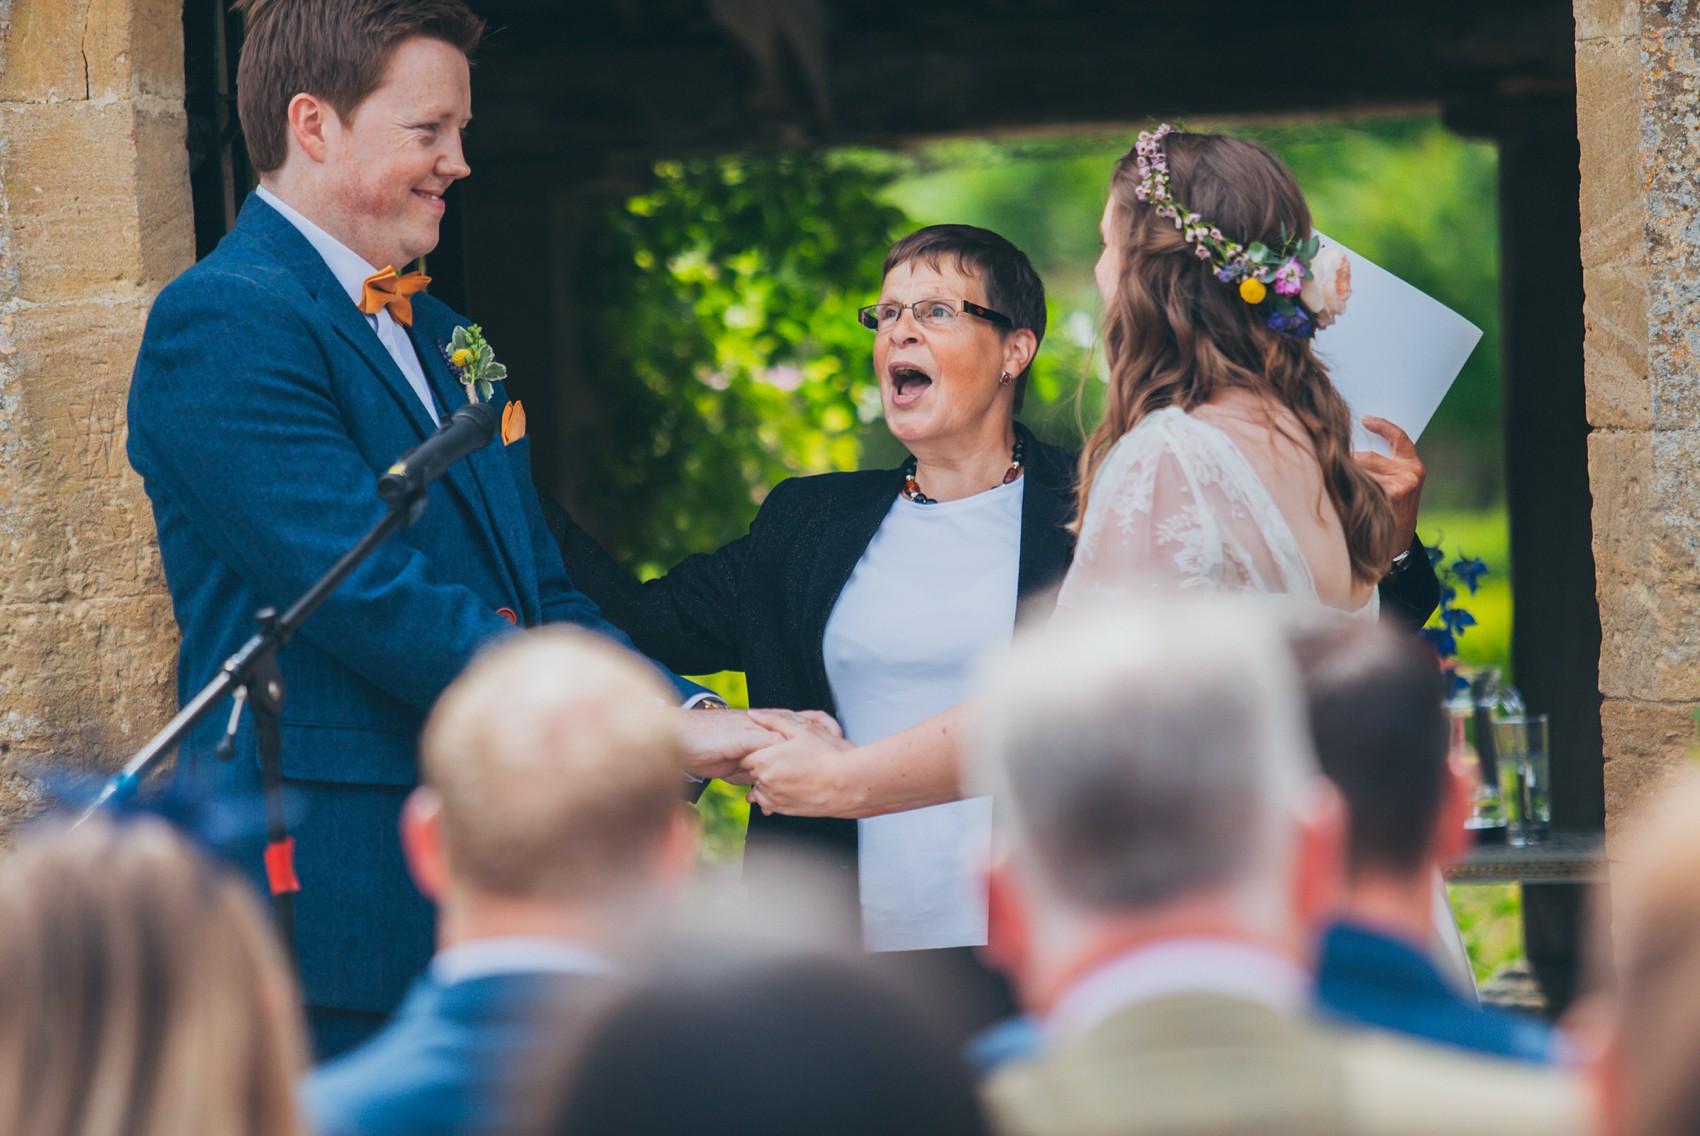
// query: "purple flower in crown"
[[1290, 278]]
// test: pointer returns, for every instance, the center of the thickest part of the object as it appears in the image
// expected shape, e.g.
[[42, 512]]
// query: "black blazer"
[[760, 604]]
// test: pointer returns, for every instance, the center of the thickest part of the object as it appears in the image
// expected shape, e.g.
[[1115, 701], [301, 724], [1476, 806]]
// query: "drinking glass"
[[1525, 789]]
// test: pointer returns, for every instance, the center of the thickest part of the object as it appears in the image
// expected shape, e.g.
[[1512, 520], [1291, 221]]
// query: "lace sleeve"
[[1170, 508]]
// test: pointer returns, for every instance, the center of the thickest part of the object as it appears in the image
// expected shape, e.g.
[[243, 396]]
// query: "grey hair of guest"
[[1143, 754]]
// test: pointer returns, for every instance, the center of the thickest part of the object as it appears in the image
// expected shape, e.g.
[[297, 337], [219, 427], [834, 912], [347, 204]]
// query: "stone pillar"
[[1638, 84], [94, 219]]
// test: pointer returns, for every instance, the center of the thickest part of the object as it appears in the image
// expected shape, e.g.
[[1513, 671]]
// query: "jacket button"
[[508, 614]]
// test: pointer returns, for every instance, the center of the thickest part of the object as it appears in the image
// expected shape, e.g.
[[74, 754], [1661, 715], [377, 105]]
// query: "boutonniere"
[[473, 362]]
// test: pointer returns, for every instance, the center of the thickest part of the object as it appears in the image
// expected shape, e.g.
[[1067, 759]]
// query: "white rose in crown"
[[1329, 286]]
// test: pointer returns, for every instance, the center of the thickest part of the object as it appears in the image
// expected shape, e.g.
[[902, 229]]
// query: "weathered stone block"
[[1619, 466], [1670, 152], [1615, 350], [1604, 19], [1646, 743], [85, 530], [1646, 520], [84, 684], [71, 50], [1608, 127], [77, 178]]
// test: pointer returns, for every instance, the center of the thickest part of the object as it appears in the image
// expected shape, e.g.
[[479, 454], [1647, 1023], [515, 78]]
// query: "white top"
[[1233, 968], [351, 270], [1176, 504], [934, 590]]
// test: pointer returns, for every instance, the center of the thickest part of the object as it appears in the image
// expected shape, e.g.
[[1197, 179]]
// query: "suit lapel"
[[487, 474]]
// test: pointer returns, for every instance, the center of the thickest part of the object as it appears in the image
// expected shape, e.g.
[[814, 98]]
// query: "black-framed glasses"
[[935, 314]]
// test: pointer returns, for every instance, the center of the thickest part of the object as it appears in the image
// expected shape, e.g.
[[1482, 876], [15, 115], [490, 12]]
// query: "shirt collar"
[[1227, 967], [515, 954], [348, 266]]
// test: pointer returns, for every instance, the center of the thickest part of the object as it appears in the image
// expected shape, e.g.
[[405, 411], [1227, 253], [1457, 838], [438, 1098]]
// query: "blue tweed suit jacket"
[[455, 1059], [262, 410]]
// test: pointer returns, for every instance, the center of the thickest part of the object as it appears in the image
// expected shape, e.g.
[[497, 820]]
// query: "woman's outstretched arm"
[[813, 774]]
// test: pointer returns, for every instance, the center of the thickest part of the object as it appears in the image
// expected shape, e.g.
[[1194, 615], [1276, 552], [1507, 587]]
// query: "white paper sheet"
[[1395, 352]]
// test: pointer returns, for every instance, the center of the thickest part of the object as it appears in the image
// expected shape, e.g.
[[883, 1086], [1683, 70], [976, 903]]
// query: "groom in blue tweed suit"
[[276, 380]]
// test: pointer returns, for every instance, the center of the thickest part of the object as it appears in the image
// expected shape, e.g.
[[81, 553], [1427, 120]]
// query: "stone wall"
[[1638, 93], [94, 218]]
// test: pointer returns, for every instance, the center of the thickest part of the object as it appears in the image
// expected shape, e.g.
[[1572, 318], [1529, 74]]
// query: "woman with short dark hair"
[[867, 595]]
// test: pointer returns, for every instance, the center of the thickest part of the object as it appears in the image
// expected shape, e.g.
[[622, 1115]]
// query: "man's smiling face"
[[389, 164]]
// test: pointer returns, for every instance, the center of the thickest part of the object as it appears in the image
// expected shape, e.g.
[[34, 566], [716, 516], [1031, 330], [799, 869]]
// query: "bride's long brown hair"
[[1174, 335]]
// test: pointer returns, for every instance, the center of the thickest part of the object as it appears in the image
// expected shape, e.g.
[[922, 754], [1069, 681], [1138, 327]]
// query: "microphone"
[[467, 429]]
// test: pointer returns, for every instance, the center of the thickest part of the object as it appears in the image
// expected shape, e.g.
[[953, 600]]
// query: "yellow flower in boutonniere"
[[473, 362]]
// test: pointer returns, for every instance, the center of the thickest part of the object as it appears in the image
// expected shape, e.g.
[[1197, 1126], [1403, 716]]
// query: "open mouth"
[[908, 383]]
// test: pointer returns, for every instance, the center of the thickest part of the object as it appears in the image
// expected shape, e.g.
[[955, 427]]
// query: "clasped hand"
[[790, 759]]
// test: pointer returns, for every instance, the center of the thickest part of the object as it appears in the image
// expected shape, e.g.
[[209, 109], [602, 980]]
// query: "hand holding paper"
[[1395, 353]]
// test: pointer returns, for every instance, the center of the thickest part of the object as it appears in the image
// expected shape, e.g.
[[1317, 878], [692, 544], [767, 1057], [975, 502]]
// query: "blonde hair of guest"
[[145, 993], [556, 764]]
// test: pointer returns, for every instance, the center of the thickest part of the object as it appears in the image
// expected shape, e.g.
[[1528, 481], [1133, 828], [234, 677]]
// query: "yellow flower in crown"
[[473, 362]]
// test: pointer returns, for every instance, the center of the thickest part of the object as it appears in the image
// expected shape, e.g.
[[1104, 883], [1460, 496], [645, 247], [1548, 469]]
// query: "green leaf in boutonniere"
[[473, 362]]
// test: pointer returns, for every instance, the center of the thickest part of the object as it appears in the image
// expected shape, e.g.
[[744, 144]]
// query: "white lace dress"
[[1176, 504]]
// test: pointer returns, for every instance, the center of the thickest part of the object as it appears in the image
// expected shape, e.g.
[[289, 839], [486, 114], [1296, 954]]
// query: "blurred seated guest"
[[834, 1051], [548, 829], [1169, 851], [1645, 1008], [144, 993], [1380, 729]]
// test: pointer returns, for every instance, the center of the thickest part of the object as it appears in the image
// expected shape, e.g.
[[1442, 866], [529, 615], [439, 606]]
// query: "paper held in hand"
[[1395, 352]]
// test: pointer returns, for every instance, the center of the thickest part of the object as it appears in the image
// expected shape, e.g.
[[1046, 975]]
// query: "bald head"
[[557, 764]]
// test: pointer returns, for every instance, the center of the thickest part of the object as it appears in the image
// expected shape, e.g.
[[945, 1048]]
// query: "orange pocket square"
[[513, 422]]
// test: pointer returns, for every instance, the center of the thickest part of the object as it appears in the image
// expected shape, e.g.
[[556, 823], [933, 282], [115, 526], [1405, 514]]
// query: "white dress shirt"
[[351, 271]]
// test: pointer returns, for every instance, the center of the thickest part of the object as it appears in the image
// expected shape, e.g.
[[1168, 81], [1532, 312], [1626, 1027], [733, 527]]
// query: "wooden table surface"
[[1567, 856]]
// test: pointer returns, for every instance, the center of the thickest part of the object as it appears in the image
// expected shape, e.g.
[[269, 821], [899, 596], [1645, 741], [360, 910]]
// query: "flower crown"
[[1301, 286]]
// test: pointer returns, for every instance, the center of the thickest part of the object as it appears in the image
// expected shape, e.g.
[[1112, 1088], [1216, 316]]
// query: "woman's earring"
[[1003, 378]]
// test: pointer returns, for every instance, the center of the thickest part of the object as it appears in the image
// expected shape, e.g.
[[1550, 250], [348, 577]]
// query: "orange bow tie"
[[387, 290]]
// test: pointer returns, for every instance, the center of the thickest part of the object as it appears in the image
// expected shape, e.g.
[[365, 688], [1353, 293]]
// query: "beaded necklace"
[[912, 491]]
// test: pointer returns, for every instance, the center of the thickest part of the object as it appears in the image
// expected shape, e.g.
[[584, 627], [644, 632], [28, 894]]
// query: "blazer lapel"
[[1047, 547], [487, 475]]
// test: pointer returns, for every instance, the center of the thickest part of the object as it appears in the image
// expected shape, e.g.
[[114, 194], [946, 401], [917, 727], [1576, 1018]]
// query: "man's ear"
[[1319, 874], [312, 125], [1009, 942], [422, 842], [676, 857], [1451, 840]]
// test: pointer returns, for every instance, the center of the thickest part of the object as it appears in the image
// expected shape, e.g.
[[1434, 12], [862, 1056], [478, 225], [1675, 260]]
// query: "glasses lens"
[[935, 313], [870, 317]]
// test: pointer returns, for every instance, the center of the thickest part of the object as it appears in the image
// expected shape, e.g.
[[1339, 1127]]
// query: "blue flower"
[[1294, 324], [1470, 570], [1444, 642]]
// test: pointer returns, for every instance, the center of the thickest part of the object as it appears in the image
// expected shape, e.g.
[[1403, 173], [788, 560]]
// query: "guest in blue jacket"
[[548, 830], [277, 379], [1380, 729]]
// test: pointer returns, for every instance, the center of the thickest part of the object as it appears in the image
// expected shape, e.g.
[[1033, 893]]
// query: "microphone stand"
[[252, 677]]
